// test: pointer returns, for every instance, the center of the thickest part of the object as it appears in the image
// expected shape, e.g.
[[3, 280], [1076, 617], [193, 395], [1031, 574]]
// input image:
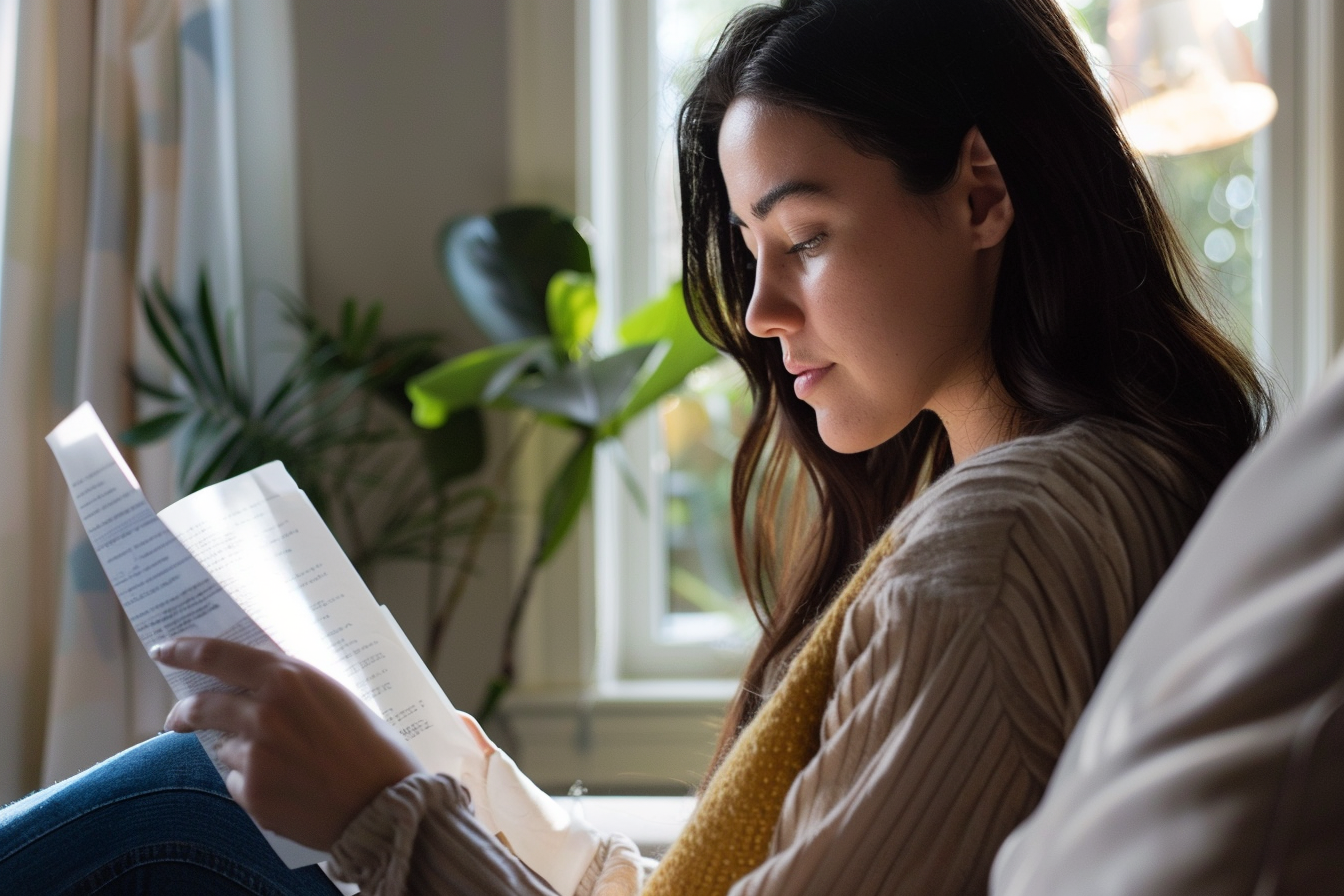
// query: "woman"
[[981, 379]]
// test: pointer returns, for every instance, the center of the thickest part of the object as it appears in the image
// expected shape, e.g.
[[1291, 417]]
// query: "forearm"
[[421, 837]]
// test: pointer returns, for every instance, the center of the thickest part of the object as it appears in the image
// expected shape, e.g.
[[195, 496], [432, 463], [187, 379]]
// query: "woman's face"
[[880, 299]]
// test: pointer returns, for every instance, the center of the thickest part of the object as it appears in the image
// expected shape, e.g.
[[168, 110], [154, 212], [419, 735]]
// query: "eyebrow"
[[761, 207]]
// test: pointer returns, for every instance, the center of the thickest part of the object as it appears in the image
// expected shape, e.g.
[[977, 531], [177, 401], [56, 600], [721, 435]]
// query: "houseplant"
[[525, 276], [340, 421]]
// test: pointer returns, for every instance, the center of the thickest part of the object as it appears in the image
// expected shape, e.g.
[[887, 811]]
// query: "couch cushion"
[[1210, 761]]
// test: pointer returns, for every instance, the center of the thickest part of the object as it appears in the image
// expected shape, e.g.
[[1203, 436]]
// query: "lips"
[[806, 377], [797, 368]]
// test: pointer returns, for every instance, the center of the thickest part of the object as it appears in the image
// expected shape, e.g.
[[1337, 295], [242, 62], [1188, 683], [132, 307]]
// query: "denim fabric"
[[154, 819]]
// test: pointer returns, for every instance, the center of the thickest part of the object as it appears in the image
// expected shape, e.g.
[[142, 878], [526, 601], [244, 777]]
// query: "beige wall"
[[402, 123], [402, 110]]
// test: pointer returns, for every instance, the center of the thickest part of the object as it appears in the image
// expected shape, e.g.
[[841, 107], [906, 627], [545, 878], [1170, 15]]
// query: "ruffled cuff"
[[547, 838], [617, 869]]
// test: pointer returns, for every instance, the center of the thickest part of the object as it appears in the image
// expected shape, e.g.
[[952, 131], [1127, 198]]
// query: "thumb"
[[235, 784]]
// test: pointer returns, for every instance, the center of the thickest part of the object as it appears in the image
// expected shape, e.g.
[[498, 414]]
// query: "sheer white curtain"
[[124, 166]]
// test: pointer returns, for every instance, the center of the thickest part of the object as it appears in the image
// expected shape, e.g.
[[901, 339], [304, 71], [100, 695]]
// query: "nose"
[[772, 311]]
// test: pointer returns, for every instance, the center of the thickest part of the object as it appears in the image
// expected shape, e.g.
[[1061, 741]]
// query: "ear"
[[990, 205]]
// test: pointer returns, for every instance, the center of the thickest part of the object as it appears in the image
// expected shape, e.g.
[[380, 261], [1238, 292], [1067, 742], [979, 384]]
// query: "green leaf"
[[538, 355], [456, 449], [152, 389], [159, 327], [564, 499], [154, 428], [458, 383], [349, 321], [494, 693], [571, 310], [585, 393], [185, 329], [500, 265], [205, 311], [616, 450], [664, 320]]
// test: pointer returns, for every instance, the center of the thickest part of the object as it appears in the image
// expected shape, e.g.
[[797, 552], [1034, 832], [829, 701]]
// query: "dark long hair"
[[1099, 308]]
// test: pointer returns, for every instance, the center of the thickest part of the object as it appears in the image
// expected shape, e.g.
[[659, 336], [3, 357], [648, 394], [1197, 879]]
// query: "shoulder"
[[1081, 468], [1027, 563], [1086, 494]]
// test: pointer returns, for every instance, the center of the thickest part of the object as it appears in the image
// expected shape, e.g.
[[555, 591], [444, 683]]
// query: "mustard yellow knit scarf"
[[730, 832]]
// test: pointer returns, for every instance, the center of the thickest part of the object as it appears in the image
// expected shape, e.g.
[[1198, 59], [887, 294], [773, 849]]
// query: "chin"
[[851, 436], [845, 439]]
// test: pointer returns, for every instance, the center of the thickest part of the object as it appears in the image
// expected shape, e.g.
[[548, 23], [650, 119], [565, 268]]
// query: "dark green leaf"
[[539, 355], [205, 312], [167, 344], [218, 459], [154, 428], [456, 449], [621, 457], [368, 330], [499, 266], [154, 390], [205, 376], [564, 499], [349, 321]]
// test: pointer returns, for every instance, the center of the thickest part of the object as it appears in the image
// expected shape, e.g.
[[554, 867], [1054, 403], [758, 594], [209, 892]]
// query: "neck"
[[976, 413]]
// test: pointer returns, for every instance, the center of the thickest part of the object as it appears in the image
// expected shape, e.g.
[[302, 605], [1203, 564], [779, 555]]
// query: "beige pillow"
[[1210, 761]]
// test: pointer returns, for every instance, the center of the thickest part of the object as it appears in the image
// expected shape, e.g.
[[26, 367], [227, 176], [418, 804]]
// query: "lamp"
[[1183, 76]]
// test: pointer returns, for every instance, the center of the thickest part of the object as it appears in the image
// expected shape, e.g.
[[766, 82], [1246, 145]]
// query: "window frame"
[[631, 571]]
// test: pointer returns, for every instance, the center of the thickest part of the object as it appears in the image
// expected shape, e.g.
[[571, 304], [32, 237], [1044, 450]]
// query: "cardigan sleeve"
[[420, 836], [961, 671]]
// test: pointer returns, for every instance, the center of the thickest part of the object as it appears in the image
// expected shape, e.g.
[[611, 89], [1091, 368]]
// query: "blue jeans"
[[154, 819]]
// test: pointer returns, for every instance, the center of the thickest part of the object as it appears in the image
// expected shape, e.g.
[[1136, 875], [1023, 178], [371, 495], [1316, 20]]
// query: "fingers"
[[230, 662], [214, 711], [233, 752], [478, 733], [235, 784]]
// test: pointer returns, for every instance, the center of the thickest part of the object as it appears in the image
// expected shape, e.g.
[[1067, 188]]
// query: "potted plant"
[[340, 421], [525, 276]]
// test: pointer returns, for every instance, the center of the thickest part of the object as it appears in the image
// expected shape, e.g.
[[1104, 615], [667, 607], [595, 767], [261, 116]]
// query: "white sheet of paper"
[[262, 539], [164, 589]]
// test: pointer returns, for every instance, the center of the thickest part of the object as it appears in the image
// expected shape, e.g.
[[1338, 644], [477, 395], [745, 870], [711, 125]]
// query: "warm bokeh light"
[[1183, 76]]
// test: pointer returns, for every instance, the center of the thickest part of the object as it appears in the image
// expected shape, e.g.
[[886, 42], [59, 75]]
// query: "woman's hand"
[[306, 755]]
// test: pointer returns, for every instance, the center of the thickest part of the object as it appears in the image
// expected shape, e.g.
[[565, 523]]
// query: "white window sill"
[[634, 737], [700, 693], [653, 822]]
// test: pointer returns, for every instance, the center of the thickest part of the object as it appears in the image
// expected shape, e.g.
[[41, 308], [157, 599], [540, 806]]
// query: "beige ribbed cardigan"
[[962, 666]]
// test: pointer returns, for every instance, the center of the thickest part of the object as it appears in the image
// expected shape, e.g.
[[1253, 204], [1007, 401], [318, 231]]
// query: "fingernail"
[[156, 651]]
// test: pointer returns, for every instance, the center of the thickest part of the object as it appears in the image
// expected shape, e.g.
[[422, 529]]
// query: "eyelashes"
[[807, 247]]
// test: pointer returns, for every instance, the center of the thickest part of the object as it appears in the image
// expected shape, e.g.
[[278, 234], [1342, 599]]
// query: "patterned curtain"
[[119, 173], [43, 257]]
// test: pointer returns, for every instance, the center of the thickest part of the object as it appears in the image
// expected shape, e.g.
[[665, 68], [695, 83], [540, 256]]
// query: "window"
[[669, 590], [615, 688], [1212, 195]]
